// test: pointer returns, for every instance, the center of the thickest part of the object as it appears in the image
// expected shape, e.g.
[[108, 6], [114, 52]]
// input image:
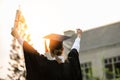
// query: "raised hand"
[[79, 32], [14, 33]]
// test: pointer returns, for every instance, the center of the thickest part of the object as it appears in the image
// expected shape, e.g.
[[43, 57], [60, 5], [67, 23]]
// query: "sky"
[[53, 16]]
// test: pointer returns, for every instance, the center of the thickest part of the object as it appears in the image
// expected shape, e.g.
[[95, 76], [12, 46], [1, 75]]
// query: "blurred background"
[[50, 16]]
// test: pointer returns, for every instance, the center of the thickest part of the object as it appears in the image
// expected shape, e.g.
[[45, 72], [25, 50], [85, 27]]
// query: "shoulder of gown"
[[74, 63]]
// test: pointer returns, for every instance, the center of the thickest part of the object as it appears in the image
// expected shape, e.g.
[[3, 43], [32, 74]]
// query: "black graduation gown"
[[38, 67]]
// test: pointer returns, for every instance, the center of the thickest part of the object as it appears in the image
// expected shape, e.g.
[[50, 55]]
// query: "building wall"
[[96, 57]]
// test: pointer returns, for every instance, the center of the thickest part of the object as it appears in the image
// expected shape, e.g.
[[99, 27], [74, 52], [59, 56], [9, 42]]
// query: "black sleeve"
[[35, 63], [74, 61]]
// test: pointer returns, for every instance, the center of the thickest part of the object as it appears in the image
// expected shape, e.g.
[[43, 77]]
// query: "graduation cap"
[[56, 40], [56, 37]]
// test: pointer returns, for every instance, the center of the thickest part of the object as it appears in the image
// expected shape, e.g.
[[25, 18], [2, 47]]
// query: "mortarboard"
[[56, 40], [56, 37]]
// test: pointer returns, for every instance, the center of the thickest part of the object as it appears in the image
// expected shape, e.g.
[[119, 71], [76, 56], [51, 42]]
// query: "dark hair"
[[56, 47]]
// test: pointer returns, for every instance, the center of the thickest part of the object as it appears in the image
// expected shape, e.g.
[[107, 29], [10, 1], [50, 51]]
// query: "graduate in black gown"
[[39, 67]]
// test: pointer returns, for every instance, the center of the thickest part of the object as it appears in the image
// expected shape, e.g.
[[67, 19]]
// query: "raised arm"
[[22, 42], [76, 44], [33, 60], [15, 34], [73, 58]]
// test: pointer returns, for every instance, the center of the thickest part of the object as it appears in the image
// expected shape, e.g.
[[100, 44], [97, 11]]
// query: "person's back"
[[38, 67]]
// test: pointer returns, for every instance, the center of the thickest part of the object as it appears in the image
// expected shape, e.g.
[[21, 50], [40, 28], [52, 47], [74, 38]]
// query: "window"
[[86, 70], [112, 68]]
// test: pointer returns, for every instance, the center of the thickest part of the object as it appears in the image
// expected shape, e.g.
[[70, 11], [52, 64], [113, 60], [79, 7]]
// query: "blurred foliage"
[[17, 66]]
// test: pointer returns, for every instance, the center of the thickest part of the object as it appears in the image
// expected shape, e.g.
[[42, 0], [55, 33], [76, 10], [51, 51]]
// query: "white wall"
[[96, 56]]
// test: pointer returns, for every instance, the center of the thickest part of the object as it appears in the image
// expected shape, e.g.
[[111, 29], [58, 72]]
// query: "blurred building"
[[100, 51]]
